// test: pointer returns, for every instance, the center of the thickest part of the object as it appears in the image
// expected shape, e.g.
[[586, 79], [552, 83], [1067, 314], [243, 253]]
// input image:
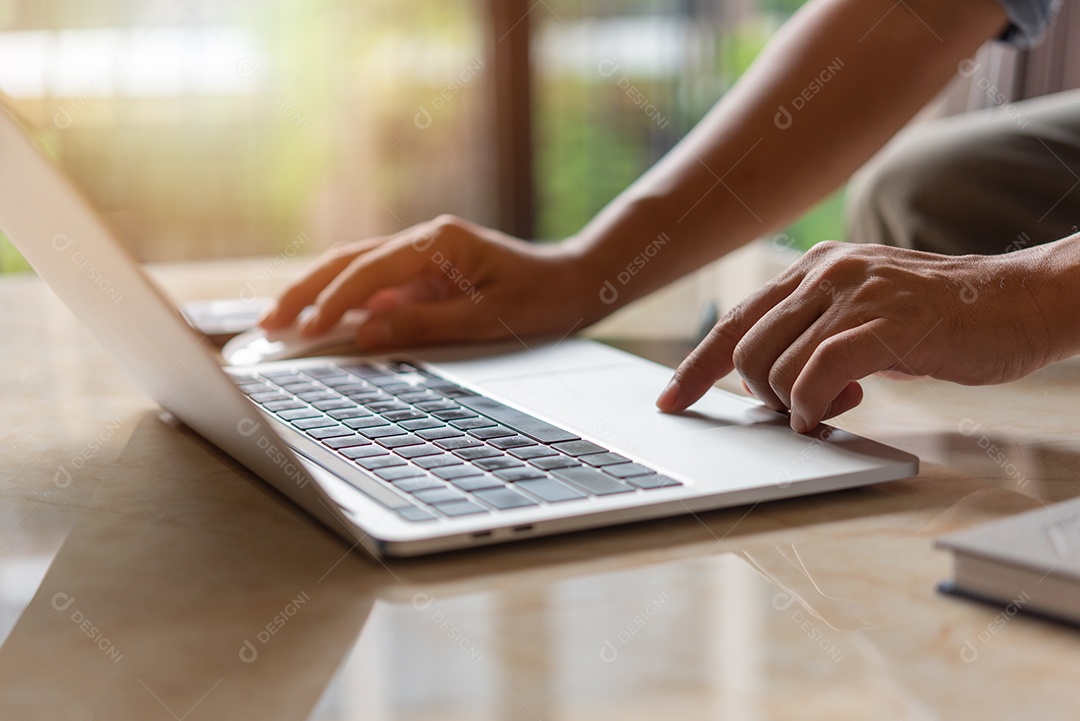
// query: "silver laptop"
[[412, 454]]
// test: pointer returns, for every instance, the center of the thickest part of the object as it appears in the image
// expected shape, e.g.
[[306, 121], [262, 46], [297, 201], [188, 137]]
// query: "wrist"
[[615, 254], [1053, 273]]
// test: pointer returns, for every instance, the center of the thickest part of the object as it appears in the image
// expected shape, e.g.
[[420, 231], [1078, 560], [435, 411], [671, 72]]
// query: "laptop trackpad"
[[616, 406]]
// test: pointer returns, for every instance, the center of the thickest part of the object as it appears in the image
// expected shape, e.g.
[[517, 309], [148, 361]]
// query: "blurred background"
[[227, 128]]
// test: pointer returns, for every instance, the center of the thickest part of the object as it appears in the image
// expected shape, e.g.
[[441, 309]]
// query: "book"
[[1027, 563]]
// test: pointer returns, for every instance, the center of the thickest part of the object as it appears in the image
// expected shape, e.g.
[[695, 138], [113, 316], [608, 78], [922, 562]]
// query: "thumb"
[[417, 324]]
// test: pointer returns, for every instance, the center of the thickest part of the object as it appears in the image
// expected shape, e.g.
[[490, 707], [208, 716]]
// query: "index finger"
[[302, 292], [712, 358]]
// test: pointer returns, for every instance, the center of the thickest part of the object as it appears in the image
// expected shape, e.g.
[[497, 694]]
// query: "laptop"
[[429, 451]]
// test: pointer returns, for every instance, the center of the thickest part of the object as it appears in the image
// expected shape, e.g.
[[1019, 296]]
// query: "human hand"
[[442, 281], [843, 312]]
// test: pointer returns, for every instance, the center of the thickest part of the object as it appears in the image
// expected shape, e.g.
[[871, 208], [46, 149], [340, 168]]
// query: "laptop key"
[[363, 370], [350, 411], [300, 387], [384, 406], [396, 388], [511, 442], [382, 431], [414, 514], [317, 422], [475, 483], [472, 454], [550, 490], [486, 434], [518, 474], [396, 473], [435, 496], [333, 378], [382, 379], [285, 405], [500, 461], [329, 432], [373, 462], [579, 448], [444, 459], [333, 404], [439, 405], [534, 451], [408, 414], [437, 433], [419, 396], [355, 452], [504, 498], [625, 470], [421, 424], [320, 371], [521, 422], [298, 413], [417, 483], [603, 459], [550, 463], [453, 415], [320, 395], [349, 386], [461, 508], [398, 441], [448, 473], [651, 481], [467, 424], [365, 422], [425, 449], [269, 396], [368, 396], [453, 444], [591, 481], [282, 377], [340, 442]]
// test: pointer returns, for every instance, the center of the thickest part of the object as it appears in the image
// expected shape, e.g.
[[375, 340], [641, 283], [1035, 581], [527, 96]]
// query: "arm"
[[736, 176], [739, 175]]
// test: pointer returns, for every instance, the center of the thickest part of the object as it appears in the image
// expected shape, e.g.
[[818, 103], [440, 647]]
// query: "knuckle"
[[341, 251], [845, 267], [741, 357], [780, 380], [824, 248], [834, 351], [447, 223]]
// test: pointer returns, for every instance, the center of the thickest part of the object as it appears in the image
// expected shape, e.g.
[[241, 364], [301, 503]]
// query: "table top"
[[144, 575]]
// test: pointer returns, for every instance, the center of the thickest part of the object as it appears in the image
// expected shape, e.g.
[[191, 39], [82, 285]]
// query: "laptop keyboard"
[[444, 450]]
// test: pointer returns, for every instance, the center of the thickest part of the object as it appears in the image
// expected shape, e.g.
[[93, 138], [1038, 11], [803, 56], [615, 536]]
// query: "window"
[[210, 129]]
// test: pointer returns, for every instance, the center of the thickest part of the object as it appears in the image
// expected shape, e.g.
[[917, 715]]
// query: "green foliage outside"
[[592, 142]]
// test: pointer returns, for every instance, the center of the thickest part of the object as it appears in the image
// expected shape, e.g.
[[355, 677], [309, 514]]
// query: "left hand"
[[843, 312]]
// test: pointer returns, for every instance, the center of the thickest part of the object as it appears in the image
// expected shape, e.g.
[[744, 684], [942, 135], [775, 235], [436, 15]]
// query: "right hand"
[[443, 281]]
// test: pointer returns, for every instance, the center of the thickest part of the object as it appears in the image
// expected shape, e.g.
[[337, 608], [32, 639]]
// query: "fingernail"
[[798, 423], [311, 321], [669, 396]]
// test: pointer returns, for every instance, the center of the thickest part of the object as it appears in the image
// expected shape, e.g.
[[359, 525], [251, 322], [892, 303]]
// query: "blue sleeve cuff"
[[1028, 20]]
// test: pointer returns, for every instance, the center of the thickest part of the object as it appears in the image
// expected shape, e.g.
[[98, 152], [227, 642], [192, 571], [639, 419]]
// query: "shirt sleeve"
[[1028, 20]]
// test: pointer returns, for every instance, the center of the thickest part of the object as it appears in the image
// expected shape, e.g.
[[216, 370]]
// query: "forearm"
[[857, 70]]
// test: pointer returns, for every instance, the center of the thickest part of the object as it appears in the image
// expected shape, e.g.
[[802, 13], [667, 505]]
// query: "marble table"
[[143, 575]]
